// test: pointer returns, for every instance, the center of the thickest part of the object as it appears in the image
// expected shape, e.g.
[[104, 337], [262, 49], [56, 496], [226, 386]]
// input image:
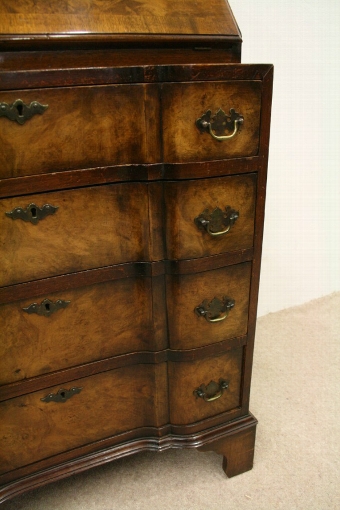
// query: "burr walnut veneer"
[[133, 160]]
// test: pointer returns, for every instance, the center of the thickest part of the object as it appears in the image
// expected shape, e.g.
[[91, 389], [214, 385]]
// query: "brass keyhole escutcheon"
[[20, 111], [32, 213], [61, 396], [46, 307]]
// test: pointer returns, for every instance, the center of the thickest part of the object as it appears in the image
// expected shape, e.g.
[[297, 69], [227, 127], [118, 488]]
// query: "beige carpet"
[[295, 396]]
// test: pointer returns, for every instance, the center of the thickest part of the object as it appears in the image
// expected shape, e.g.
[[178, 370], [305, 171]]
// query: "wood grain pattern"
[[237, 450], [108, 75], [91, 59], [260, 213], [83, 127], [184, 103], [184, 293], [109, 403], [93, 227], [128, 395], [145, 438], [102, 320], [184, 201], [117, 17], [185, 377]]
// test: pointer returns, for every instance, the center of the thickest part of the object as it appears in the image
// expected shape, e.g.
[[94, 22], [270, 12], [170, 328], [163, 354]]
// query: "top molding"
[[115, 23]]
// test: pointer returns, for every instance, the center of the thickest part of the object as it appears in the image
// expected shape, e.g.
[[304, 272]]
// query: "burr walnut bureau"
[[133, 161]]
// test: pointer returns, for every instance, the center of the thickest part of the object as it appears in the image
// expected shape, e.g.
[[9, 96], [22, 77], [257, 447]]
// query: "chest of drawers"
[[133, 163]]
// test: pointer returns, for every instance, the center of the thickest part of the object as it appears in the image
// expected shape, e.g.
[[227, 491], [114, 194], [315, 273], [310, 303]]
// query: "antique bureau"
[[133, 161]]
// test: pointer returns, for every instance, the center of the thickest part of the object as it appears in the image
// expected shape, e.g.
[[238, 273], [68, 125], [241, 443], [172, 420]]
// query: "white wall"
[[301, 251]]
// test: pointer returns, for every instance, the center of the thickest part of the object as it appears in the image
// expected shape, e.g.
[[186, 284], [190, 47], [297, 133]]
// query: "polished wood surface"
[[27, 61], [93, 227], [109, 403], [237, 450], [82, 127], [102, 320], [185, 201], [184, 293], [185, 377], [117, 17], [184, 103], [119, 153]]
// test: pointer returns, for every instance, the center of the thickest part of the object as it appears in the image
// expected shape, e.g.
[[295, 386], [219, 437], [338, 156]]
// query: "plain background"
[[301, 250]]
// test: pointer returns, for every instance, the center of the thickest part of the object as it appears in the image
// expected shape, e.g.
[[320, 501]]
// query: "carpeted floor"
[[295, 397]]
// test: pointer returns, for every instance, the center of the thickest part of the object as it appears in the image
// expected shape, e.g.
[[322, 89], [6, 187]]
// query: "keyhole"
[[47, 307], [62, 394], [34, 212], [20, 109]]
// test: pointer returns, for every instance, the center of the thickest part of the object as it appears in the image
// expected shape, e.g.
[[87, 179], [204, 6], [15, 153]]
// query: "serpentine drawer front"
[[76, 127], [210, 216], [231, 109], [192, 379], [208, 307], [57, 233], [41, 334], [36, 426], [132, 185]]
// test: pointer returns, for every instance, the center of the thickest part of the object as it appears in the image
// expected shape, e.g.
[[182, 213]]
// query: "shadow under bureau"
[[132, 187]]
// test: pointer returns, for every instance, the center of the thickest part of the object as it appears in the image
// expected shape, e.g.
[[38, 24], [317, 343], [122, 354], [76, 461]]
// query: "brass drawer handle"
[[32, 213], [21, 112], [46, 307], [213, 391], [217, 124], [218, 222], [216, 310], [61, 396]]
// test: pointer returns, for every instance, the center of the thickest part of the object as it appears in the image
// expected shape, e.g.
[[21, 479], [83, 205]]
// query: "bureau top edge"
[[152, 23]]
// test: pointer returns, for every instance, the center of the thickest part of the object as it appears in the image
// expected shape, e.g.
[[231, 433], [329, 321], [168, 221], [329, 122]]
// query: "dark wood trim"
[[69, 179], [207, 351], [105, 58], [258, 235], [202, 170], [13, 293], [72, 281], [190, 266], [68, 375], [71, 374], [206, 72], [107, 450], [70, 77], [43, 42], [137, 74], [213, 421]]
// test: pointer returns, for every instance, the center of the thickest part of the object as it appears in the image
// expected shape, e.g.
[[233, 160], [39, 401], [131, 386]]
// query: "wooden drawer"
[[198, 210], [82, 127], [223, 293], [184, 103], [78, 326], [92, 227], [108, 403], [186, 378]]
